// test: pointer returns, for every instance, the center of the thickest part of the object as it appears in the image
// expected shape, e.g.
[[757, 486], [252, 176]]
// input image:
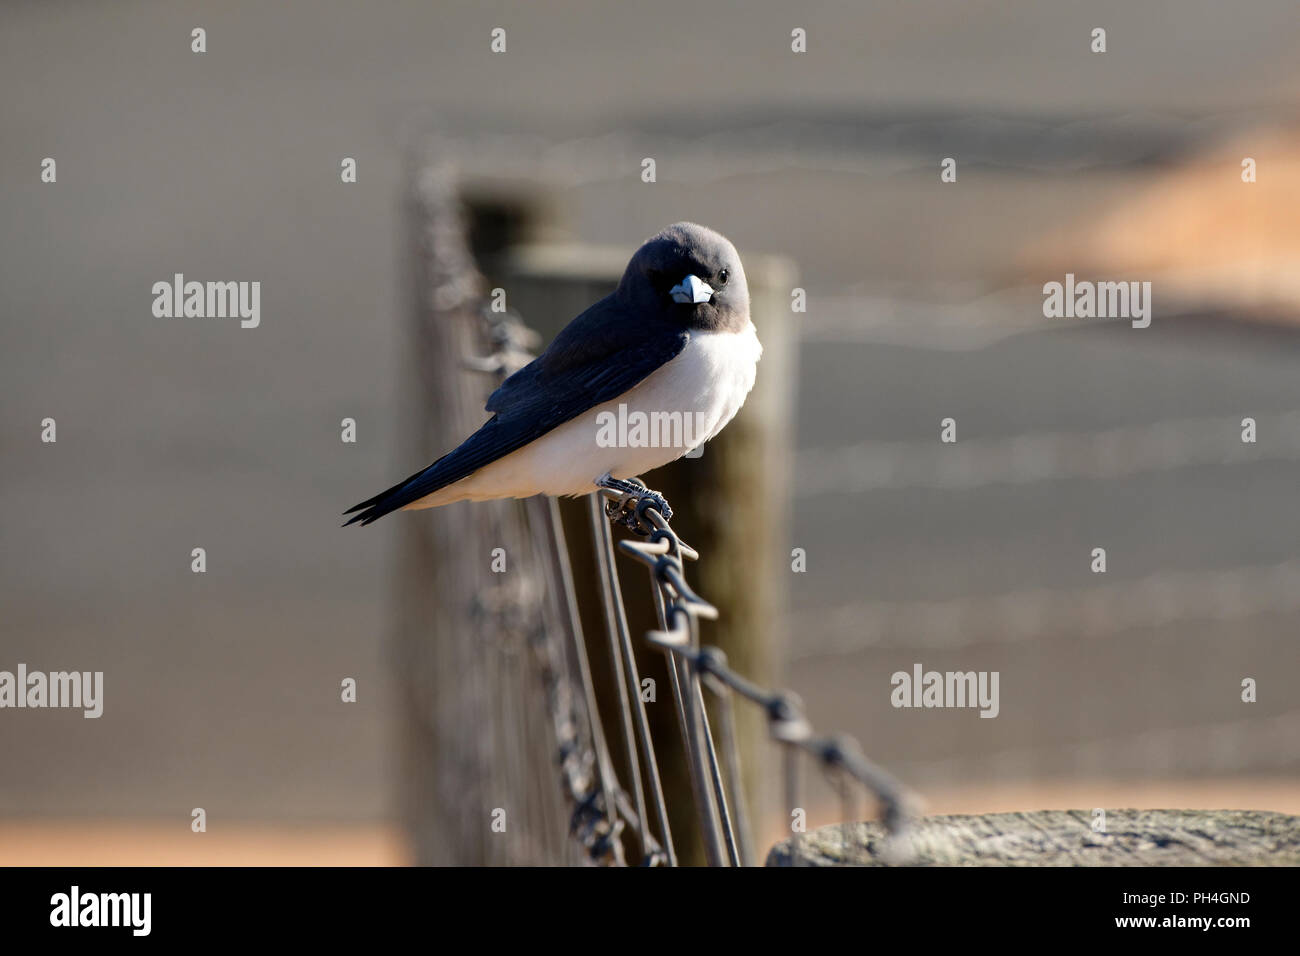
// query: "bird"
[[673, 346]]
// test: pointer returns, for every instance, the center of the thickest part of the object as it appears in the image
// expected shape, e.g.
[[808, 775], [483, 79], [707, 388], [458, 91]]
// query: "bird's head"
[[691, 276]]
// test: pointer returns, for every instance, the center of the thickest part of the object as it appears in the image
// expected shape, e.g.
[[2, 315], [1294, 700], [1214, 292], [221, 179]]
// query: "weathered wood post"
[[1058, 838], [487, 700], [731, 504]]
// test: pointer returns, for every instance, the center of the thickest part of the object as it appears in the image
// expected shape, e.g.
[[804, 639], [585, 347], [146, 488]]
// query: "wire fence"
[[694, 670], [604, 810]]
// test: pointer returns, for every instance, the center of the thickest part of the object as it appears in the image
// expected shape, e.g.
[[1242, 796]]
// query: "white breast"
[[706, 384], [713, 376]]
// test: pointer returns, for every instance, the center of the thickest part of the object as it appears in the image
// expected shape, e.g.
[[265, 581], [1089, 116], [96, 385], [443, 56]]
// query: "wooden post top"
[[1058, 838]]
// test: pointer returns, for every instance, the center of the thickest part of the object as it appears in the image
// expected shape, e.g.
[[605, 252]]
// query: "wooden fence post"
[[731, 504], [480, 781]]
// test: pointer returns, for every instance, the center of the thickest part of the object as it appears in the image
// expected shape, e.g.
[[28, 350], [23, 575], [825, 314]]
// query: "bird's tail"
[[493, 440], [403, 493]]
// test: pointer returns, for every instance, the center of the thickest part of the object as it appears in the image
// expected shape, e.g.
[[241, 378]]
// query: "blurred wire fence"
[[880, 142]]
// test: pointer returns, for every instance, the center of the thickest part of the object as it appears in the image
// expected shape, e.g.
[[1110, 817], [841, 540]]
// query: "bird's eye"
[[724, 275]]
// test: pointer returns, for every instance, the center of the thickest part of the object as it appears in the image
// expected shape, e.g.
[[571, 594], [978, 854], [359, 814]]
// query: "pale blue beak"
[[692, 289]]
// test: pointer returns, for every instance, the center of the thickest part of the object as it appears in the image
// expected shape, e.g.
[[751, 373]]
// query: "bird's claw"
[[635, 498]]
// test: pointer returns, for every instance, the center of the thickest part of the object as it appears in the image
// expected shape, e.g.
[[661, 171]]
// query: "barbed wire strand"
[[678, 637], [685, 716], [680, 678]]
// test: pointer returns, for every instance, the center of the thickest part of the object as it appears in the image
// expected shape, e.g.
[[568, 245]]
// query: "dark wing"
[[598, 356]]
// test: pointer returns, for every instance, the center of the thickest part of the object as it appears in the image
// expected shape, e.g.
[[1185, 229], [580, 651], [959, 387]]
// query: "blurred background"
[[924, 302]]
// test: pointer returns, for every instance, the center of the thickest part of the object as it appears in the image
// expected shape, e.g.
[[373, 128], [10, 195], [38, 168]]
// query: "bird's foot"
[[635, 498]]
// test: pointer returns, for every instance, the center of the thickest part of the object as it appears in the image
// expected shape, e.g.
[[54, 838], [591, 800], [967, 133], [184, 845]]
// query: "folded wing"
[[597, 357]]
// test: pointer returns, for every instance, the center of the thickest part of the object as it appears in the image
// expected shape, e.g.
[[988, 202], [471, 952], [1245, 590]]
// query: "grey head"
[[689, 276]]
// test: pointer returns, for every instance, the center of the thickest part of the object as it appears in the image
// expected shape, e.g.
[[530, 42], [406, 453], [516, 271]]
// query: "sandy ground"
[[153, 843]]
